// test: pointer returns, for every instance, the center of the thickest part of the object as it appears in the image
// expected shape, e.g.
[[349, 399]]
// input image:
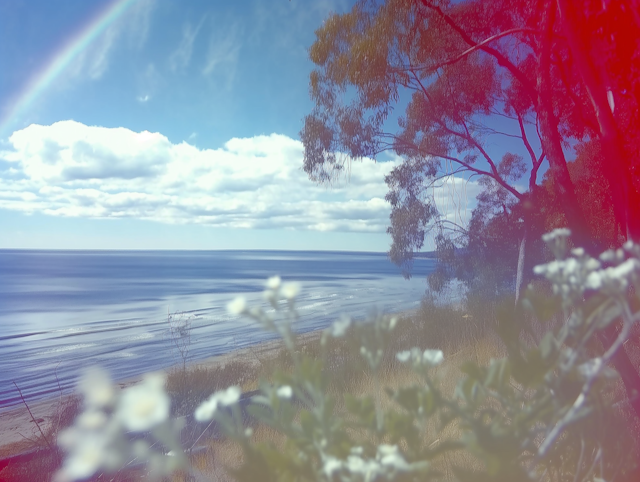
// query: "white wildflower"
[[69, 438], [290, 290], [578, 252], [331, 465], [593, 281], [237, 306], [555, 234], [368, 469], [608, 256], [91, 419], [340, 327], [393, 322], [229, 396], [433, 357], [390, 456], [273, 283], [85, 460], [284, 392], [96, 387], [403, 356], [592, 264], [624, 270], [207, 409], [144, 406]]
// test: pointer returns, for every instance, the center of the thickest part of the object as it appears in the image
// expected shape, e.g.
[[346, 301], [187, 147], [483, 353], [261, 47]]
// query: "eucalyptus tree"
[[377, 54], [465, 69]]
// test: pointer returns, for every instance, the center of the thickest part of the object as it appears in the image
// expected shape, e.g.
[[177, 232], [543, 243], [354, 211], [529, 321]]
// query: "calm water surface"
[[63, 310]]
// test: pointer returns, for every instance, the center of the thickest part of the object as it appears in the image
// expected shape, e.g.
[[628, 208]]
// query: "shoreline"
[[17, 426]]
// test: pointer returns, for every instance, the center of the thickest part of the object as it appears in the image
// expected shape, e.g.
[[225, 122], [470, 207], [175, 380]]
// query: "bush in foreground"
[[543, 412]]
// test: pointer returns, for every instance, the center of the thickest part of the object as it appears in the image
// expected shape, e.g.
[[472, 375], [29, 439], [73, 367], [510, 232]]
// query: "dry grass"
[[461, 336]]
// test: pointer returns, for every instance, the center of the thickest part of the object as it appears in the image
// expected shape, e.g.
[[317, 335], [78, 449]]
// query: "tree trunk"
[[521, 256], [624, 194], [552, 142], [552, 145]]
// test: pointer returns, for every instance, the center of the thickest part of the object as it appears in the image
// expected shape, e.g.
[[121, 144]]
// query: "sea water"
[[61, 311]]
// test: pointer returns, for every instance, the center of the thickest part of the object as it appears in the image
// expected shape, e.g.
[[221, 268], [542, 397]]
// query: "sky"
[[173, 124]]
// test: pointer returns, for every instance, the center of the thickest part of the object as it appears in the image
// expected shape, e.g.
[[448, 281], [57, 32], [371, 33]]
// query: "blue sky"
[[173, 125]]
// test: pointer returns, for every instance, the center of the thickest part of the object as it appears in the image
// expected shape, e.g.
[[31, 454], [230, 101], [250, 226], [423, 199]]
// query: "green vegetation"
[[490, 91], [397, 398], [494, 390]]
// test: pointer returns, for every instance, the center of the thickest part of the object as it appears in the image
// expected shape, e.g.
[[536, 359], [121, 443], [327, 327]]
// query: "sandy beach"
[[19, 432]]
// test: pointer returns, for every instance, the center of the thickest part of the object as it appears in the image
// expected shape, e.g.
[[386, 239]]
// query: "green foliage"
[[541, 413]]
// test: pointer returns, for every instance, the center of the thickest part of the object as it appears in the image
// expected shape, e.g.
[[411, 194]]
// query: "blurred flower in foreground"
[[207, 410], [99, 441], [290, 290], [429, 358], [144, 406], [284, 391], [237, 306], [96, 388]]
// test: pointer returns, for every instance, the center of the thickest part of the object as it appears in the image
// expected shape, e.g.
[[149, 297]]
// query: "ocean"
[[61, 311]]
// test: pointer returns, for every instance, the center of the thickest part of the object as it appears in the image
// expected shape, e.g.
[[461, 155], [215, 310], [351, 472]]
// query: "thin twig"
[[27, 438], [569, 417], [32, 417], [55, 372]]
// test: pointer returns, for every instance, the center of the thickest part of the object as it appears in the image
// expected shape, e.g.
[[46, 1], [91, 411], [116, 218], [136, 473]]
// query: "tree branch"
[[433, 68], [500, 58], [469, 138], [535, 161]]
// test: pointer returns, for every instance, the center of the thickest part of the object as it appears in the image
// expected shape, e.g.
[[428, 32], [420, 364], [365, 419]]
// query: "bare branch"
[[33, 419]]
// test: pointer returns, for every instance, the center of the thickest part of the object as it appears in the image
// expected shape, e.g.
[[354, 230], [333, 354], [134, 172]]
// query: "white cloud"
[[223, 53], [180, 58], [139, 19], [94, 60], [287, 25], [71, 169], [143, 98]]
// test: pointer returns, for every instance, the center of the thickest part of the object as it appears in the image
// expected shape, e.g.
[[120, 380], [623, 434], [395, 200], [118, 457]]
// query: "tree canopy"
[[562, 75], [464, 65]]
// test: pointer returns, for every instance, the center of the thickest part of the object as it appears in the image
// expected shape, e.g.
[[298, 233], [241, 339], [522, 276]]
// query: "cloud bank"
[[71, 169], [74, 170]]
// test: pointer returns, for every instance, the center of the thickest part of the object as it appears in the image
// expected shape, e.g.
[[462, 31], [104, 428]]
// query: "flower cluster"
[[426, 358], [225, 398], [387, 464], [572, 275], [100, 439]]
